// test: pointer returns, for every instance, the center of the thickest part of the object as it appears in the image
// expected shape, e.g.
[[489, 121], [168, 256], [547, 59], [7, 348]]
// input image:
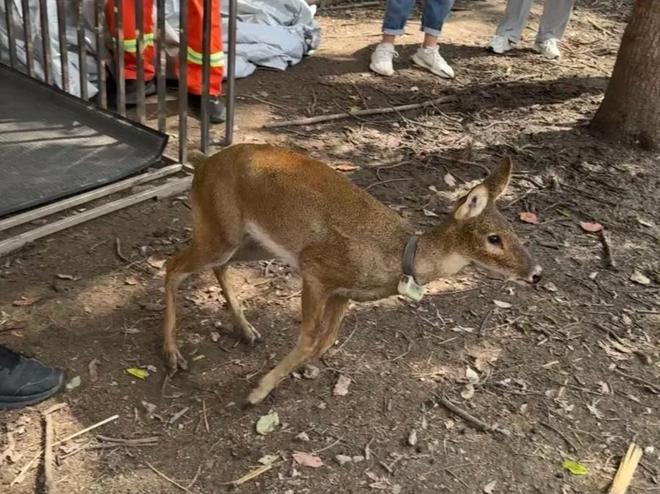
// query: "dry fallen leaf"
[[471, 375], [502, 305], [131, 280], [468, 392], [591, 227], [311, 372], [429, 213], [412, 437], [450, 180], [93, 370], [489, 488], [155, 263], [640, 278], [528, 217], [341, 387], [24, 301], [346, 167], [307, 459], [268, 423]]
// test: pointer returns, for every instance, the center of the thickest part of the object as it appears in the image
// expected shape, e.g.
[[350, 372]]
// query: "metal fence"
[[48, 76], [102, 59]]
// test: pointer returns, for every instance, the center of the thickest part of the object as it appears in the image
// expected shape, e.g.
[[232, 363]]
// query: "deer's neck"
[[437, 256]]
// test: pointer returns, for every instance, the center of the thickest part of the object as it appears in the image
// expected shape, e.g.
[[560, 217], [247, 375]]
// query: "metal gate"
[[26, 52]]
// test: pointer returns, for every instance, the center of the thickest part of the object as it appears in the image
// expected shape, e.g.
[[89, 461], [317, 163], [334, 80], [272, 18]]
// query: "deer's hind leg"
[[246, 330]]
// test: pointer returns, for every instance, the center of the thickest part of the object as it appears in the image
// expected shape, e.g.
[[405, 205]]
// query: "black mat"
[[54, 145]]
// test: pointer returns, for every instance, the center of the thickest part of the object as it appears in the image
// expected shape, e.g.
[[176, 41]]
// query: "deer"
[[255, 202]]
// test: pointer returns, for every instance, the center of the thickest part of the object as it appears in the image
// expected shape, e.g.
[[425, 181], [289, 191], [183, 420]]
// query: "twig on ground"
[[607, 249], [359, 113], [560, 434], [386, 182], [653, 388], [192, 482], [178, 415], [49, 477], [162, 475], [206, 420], [118, 250], [479, 424], [485, 321], [349, 336], [143, 441], [251, 475], [27, 467]]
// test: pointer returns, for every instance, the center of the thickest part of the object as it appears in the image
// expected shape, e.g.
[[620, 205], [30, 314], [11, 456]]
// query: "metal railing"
[[169, 187], [100, 27]]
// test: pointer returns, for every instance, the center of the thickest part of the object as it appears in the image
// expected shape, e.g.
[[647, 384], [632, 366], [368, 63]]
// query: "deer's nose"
[[535, 277]]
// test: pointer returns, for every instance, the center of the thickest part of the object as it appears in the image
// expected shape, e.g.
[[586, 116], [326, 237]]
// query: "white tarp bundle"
[[270, 33]]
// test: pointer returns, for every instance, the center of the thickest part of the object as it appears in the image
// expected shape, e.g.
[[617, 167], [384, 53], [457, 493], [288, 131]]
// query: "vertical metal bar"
[[61, 33], [45, 40], [206, 75], [139, 55], [27, 33], [183, 80], [99, 20], [161, 65], [119, 57], [82, 52], [231, 72], [10, 33]]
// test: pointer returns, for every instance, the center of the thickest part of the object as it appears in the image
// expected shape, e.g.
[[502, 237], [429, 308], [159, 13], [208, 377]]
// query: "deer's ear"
[[473, 204], [499, 179]]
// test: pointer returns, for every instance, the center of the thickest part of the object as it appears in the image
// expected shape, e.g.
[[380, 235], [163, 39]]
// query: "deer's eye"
[[495, 240]]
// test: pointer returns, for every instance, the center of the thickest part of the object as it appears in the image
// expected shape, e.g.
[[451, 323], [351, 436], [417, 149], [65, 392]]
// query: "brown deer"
[[253, 202]]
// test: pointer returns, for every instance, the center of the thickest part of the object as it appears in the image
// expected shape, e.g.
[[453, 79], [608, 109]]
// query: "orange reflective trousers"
[[195, 42]]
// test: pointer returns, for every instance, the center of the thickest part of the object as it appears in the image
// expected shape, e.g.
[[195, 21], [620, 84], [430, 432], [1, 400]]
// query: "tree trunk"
[[630, 111]]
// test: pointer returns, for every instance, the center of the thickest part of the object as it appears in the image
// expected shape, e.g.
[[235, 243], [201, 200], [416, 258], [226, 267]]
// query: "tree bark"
[[630, 111]]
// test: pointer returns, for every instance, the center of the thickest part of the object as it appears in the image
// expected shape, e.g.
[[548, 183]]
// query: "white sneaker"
[[500, 44], [430, 59], [549, 48], [381, 59]]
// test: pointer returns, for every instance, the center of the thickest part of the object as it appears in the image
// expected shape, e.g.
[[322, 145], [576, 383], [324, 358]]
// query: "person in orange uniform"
[[216, 108]]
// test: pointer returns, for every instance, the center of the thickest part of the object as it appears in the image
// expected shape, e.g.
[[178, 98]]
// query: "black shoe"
[[217, 111], [26, 381], [131, 90]]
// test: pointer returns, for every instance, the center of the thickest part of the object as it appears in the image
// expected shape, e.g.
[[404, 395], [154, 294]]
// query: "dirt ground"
[[566, 370]]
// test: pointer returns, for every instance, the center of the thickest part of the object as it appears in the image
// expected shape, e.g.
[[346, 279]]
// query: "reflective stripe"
[[130, 45], [217, 58]]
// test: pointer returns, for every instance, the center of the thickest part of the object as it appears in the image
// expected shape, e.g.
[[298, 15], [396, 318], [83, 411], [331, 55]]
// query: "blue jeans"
[[434, 16]]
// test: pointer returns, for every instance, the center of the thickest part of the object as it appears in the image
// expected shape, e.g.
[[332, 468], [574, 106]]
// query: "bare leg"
[[430, 41], [388, 38], [247, 331], [313, 304]]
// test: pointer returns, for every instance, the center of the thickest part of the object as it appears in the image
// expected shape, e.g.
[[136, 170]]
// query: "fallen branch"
[[477, 423], [626, 470], [27, 467], [49, 480], [403, 179], [359, 113]]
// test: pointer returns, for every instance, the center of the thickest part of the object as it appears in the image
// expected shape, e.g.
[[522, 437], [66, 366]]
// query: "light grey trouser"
[[556, 14]]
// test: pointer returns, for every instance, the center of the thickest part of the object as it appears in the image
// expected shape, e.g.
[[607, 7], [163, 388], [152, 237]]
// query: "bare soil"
[[569, 371]]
